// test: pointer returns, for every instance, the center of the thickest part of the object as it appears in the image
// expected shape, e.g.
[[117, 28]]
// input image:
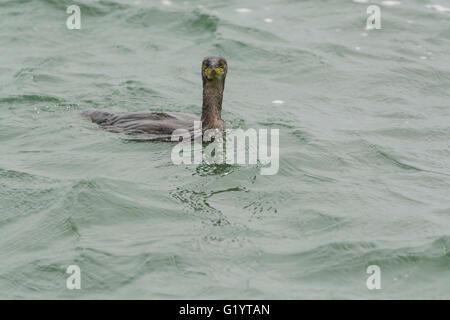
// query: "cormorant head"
[[214, 68]]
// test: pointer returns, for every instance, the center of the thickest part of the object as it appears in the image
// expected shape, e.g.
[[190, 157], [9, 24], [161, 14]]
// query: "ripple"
[[437, 7], [96, 8], [390, 158], [30, 98]]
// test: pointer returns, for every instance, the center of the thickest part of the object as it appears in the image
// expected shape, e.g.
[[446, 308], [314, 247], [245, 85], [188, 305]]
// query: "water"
[[364, 174]]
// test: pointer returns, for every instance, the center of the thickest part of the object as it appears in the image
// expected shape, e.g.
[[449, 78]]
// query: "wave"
[[30, 98]]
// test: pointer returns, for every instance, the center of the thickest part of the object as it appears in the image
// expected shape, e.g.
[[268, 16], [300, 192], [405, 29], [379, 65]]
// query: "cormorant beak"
[[211, 72]]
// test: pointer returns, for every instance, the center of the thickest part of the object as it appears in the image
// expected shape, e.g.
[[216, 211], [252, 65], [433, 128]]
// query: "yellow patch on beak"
[[216, 70]]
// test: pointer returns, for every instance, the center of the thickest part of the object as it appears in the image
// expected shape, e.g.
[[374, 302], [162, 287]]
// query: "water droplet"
[[390, 3], [243, 10]]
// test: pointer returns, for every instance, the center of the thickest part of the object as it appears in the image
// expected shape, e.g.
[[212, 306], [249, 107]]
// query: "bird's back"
[[141, 122]]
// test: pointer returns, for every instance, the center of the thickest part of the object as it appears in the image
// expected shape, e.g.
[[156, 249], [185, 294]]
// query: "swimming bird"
[[214, 71]]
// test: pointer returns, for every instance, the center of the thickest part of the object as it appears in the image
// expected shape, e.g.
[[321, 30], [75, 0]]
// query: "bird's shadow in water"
[[203, 169], [213, 169]]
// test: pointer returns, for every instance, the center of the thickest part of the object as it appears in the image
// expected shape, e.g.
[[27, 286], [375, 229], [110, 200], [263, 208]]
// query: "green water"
[[364, 174]]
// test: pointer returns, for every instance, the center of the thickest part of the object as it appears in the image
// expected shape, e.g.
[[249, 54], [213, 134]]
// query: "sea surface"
[[364, 176]]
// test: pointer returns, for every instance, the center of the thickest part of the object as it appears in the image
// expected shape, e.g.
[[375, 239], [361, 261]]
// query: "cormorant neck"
[[212, 104]]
